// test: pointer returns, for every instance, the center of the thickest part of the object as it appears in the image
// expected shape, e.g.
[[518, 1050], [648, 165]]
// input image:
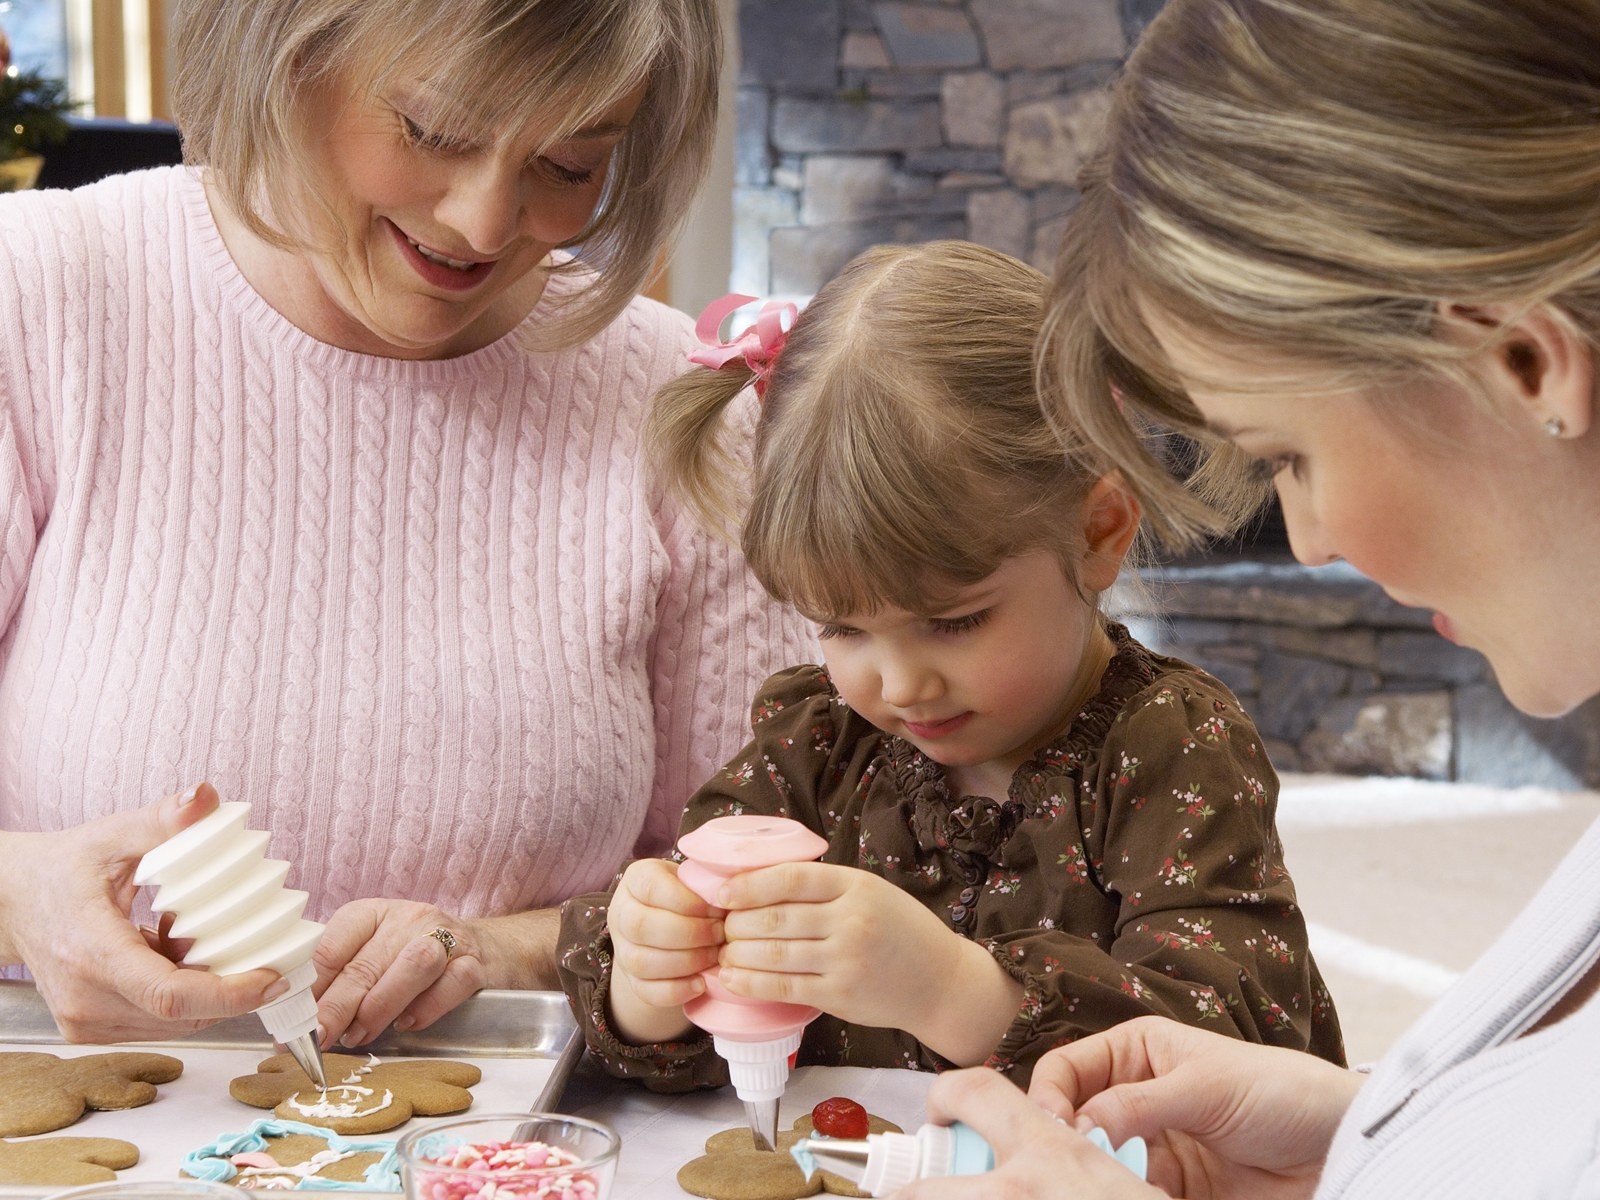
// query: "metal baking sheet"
[[525, 1043]]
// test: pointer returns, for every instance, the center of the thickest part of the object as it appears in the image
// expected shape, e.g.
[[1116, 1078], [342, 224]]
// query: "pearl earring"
[[1555, 427]]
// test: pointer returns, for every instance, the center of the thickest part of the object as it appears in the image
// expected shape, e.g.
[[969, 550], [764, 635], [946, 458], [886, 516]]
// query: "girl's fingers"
[[660, 930], [654, 884], [644, 963], [790, 956], [785, 921], [786, 987], [802, 883], [668, 993]]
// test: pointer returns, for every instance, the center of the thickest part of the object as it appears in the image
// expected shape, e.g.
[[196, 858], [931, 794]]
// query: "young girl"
[[1037, 828]]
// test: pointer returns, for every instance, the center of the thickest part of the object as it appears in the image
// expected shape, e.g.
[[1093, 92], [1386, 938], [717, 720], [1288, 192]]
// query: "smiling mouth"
[[433, 256]]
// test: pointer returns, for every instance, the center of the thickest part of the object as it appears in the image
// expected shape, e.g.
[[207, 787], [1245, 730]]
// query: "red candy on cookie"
[[840, 1118]]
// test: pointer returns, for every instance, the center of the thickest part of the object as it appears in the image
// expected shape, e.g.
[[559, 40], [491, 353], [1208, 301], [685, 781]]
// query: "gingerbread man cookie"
[[65, 1161], [364, 1095], [733, 1169], [40, 1092]]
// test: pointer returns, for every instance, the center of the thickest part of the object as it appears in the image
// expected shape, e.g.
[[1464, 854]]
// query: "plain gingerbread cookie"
[[40, 1092], [364, 1095], [65, 1161]]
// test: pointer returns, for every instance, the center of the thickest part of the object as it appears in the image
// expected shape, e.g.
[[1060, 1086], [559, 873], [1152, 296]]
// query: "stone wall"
[[868, 121], [1340, 678]]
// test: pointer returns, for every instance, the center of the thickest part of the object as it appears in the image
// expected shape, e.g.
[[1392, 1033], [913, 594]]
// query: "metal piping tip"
[[763, 1118], [840, 1156], [308, 1054]]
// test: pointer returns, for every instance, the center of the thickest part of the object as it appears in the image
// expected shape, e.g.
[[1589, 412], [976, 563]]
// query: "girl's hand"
[[1222, 1117], [1036, 1156], [662, 937], [852, 944], [65, 900]]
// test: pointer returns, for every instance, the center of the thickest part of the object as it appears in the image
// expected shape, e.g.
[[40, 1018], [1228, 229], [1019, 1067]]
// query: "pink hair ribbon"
[[758, 345]]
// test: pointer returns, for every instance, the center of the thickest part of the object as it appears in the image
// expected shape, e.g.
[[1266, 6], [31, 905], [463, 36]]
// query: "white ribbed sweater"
[[429, 618]]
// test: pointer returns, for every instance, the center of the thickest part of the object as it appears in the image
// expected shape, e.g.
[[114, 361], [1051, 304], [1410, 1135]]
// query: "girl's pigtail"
[[687, 427], [687, 436]]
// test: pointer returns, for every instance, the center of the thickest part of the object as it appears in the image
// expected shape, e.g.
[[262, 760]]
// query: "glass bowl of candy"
[[526, 1156]]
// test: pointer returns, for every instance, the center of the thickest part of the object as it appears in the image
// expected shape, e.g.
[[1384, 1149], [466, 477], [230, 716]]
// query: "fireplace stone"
[[1340, 678]]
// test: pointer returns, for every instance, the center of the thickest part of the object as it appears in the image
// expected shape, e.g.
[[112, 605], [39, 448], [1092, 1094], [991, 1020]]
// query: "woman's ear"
[[1111, 515], [1539, 365]]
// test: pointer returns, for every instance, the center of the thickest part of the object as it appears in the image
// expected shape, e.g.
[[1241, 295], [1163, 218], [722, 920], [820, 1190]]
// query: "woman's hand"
[[65, 900], [852, 944], [1036, 1155], [1222, 1117], [662, 937], [380, 962]]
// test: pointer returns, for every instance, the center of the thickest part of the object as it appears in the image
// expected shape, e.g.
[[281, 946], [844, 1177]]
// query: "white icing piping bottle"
[[229, 898], [883, 1163]]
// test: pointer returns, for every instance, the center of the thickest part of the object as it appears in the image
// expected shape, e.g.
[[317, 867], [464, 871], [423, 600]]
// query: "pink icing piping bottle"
[[757, 1038]]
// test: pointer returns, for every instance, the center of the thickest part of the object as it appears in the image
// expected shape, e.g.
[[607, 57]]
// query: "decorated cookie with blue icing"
[[285, 1155]]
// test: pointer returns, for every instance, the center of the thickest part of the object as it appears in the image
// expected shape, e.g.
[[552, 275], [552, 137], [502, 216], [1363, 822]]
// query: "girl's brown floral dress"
[[1135, 868]]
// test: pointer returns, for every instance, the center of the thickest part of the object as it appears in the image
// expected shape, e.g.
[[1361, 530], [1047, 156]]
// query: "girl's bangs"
[[846, 554]]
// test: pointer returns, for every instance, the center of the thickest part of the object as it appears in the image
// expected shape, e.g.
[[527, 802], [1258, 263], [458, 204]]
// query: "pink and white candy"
[[489, 1170]]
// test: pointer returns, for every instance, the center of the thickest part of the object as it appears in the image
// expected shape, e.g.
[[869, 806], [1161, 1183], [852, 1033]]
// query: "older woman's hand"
[[65, 900], [401, 962]]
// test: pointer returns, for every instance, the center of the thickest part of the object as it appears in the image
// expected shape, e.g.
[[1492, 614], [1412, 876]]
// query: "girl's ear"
[[1540, 366], [1111, 515]]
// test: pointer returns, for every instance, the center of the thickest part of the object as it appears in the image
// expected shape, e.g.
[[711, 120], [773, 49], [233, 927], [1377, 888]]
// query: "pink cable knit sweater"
[[429, 618]]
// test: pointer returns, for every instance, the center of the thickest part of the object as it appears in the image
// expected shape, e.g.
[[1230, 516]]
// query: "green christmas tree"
[[33, 107]]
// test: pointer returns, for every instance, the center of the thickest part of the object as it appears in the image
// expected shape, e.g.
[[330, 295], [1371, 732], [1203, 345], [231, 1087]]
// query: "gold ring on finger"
[[445, 938]]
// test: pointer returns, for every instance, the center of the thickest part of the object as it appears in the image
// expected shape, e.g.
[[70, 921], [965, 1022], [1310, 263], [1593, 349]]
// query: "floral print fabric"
[[1134, 868]]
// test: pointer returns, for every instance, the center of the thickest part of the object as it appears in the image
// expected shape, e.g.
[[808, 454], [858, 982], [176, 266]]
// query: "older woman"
[[324, 482], [1360, 241]]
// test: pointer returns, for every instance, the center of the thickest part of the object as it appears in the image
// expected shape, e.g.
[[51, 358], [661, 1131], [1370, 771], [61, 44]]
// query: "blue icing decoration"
[[1132, 1154], [801, 1153], [210, 1161]]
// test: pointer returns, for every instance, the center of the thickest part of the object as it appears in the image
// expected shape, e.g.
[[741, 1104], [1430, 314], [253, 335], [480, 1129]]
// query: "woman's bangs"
[[572, 76]]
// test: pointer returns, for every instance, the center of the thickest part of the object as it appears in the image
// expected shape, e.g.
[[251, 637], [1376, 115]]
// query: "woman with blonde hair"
[[323, 462], [1353, 246], [1036, 827]]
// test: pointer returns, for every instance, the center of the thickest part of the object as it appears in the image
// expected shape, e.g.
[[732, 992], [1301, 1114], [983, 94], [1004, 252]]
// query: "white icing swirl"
[[327, 1108]]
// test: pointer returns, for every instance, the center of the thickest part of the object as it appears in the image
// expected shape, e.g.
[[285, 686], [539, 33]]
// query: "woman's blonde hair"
[[1317, 182], [901, 452], [246, 72]]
